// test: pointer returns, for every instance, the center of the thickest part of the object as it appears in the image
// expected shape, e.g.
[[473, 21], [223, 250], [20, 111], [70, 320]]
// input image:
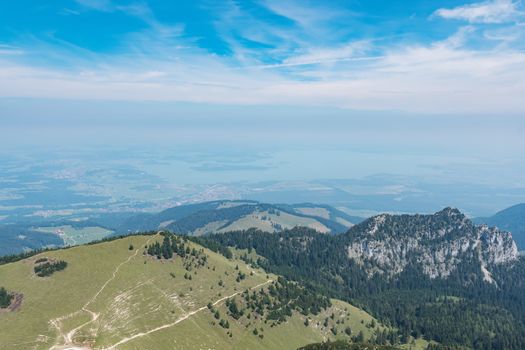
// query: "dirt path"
[[65, 340], [113, 276], [185, 317], [68, 337]]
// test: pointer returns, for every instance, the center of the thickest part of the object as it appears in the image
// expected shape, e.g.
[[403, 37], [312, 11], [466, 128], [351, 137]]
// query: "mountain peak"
[[450, 212], [437, 243]]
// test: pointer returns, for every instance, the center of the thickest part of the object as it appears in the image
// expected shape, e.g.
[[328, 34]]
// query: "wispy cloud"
[[139, 10], [329, 55], [282, 63], [496, 11], [10, 50]]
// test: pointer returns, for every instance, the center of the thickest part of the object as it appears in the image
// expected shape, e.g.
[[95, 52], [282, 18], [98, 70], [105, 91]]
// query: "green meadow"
[[113, 296]]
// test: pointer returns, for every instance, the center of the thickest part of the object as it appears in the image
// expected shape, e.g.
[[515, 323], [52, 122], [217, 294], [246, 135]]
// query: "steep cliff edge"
[[437, 244]]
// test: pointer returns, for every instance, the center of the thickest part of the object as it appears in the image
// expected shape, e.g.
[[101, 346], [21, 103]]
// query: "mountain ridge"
[[228, 215]]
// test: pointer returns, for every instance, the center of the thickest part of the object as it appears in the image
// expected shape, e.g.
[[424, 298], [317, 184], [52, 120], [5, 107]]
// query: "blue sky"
[[415, 56], [424, 84]]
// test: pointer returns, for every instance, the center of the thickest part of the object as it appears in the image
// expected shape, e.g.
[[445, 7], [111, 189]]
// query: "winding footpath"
[[66, 339], [182, 318]]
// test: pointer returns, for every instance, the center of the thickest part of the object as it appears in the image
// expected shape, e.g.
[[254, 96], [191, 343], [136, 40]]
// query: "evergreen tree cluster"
[[48, 268], [279, 301], [274, 304], [174, 245], [5, 298], [234, 309]]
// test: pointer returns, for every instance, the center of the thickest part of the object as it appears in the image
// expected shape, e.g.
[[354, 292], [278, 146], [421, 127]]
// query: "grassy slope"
[[284, 219], [321, 212], [131, 294]]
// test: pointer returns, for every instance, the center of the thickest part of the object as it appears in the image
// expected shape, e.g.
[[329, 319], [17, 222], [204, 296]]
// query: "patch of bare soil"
[[15, 303]]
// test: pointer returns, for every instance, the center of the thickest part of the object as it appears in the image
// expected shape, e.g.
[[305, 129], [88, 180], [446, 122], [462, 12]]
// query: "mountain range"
[[191, 219], [435, 281], [223, 216]]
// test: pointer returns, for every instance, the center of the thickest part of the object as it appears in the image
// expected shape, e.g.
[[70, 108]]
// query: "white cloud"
[[424, 79], [159, 64], [496, 11], [316, 55], [306, 16]]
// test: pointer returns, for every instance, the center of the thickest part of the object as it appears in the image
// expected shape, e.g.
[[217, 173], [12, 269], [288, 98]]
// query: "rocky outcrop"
[[437, 244]]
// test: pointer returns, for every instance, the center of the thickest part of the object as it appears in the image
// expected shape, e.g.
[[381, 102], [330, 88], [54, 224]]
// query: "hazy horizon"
[[244, 92]]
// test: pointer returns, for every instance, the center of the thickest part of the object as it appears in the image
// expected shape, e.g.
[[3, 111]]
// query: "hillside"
[[436, 275], [113, 295], [191, 219], [223, 216], [511, 219]]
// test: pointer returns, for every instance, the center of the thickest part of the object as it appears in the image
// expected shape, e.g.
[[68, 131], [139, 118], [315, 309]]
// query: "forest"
[[492, 315]]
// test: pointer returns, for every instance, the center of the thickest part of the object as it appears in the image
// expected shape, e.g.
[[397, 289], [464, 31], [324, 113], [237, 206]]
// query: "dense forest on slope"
[[460, 310]]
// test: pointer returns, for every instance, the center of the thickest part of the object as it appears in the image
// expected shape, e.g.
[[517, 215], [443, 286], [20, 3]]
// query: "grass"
[[238, 253], [131, 293], [320, 212], [416, 344], [284, 219]]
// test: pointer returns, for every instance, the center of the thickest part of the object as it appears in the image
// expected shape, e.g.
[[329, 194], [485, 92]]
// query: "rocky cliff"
[[437, 244]]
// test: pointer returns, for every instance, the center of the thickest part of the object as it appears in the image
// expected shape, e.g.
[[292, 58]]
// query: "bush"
[[5, 298], [49, 268]]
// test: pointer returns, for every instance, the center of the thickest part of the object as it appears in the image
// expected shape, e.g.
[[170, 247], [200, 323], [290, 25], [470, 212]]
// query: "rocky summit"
[[436, 243]]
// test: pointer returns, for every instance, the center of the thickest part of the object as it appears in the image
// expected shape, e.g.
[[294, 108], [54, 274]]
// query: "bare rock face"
[[437, 243]]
